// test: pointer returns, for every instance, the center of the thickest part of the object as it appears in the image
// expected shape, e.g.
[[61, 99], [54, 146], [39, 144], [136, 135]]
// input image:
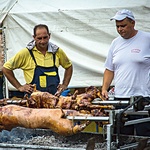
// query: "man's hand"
[[105, 94], [28, 88], [60, 89]]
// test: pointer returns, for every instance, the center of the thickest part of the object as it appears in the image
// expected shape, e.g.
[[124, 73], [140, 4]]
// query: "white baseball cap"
[[122, 14]]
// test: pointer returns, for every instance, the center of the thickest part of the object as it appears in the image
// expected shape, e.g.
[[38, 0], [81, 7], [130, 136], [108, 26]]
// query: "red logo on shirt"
[[135, 50]]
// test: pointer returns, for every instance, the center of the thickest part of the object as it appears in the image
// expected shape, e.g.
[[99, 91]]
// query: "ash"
[[46, 137], [52, 141]]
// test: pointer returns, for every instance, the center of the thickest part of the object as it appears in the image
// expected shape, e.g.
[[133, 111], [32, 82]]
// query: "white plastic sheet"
[[81, 28]]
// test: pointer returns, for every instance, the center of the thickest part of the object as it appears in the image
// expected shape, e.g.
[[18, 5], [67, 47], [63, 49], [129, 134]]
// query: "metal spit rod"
[[110, 102], [137, 121], [145, 113], [36, 147], [94, 118]]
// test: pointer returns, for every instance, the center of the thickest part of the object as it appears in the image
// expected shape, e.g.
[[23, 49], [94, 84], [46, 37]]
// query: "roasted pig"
[[54, 119]]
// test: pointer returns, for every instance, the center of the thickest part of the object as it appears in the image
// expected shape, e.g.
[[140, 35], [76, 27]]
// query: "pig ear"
[[34, 87]]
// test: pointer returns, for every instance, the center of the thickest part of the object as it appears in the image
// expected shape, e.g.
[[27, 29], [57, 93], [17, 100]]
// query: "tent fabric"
[[81, 28]]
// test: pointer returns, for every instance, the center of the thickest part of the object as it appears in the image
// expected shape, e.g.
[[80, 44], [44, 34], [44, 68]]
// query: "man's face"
[[41, 38], [125, 28]]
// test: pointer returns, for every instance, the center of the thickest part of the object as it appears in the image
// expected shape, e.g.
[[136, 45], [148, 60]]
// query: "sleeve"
[[18, 60], [109, 59], [65, 62]]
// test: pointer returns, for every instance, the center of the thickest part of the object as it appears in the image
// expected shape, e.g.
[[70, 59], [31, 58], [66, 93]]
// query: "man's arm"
[[12, 79], [67, 76], [107, 79], [66, 80]]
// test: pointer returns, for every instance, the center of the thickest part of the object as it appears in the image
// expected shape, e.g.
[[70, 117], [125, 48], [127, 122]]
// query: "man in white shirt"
[[128, 63]]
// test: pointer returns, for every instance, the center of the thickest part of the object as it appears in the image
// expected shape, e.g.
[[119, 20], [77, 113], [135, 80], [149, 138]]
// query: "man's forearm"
[[67, 75], [66, 80], [11, 77], [108, 77]]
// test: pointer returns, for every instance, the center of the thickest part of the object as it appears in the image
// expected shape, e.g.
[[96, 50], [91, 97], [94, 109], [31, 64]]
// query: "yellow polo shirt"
[[24, 61]]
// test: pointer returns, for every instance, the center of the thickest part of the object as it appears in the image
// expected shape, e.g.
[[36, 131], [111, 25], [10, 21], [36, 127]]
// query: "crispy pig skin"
[[54, 119], [76, 101], [43, 100]]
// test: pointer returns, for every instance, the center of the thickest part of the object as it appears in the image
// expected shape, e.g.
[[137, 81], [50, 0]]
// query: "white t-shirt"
[[130, 61]]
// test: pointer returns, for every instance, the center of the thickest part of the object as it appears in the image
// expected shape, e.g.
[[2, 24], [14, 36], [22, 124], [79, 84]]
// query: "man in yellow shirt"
[[40, 61]]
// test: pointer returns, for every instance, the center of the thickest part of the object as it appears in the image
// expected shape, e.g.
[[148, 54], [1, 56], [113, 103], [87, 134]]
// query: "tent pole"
[[5, 83]]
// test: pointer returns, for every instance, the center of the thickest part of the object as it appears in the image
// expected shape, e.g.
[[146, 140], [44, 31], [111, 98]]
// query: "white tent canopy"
[[81, 28]]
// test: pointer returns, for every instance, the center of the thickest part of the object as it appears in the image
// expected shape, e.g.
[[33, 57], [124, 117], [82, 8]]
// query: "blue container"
[[65, 92]]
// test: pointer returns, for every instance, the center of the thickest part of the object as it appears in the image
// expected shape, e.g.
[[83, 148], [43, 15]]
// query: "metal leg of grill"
[[109, 127]]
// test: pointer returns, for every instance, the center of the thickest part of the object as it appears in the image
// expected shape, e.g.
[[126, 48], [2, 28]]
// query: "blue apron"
[[45, 78]]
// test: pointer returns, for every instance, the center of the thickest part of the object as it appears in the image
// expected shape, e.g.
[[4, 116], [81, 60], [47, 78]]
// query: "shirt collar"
[[52, 48]]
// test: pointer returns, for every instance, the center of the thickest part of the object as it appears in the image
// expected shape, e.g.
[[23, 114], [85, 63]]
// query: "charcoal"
[[45, 137], [4, 136]]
